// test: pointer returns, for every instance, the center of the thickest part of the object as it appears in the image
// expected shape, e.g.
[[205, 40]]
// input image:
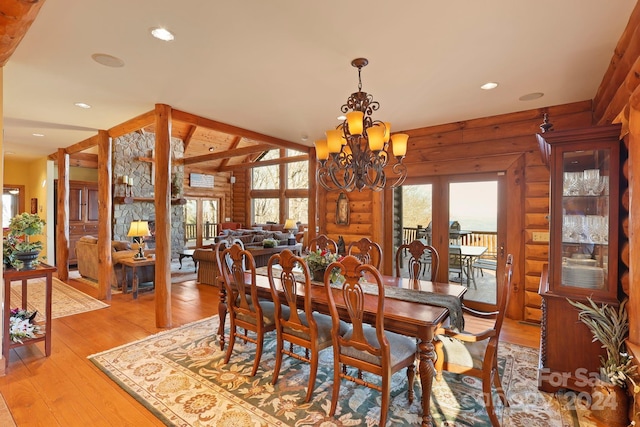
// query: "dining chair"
[[365, 347], [477, 354], [305, 328], [322, 242], [366, 251], [456, 263], [421, 257], [245, 309]]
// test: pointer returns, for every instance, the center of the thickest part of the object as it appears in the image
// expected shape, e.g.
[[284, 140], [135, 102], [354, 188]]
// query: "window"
[[268, 194], [12, 203], [266, 210]]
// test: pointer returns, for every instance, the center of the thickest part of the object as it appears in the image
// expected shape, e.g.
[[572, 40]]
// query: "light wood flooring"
[[66, 389]]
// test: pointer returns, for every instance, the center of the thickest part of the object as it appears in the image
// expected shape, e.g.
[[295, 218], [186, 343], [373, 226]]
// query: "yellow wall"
[[33, 175]]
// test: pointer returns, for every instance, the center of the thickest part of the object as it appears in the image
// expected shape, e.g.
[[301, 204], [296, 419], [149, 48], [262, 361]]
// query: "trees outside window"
[[276, 201]]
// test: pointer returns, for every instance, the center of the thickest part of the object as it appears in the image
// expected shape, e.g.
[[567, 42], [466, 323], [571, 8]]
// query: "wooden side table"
[[133, 263], [13, 275]]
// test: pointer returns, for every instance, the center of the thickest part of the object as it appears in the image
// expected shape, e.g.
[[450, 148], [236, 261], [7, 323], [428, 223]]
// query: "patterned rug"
[[179, 375], [65, 300]]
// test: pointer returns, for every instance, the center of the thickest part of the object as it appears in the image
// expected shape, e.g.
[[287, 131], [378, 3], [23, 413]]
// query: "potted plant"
[[610, 326], [18, 249]]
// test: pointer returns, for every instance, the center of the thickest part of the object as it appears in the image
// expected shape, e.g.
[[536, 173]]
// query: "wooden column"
[[163, 216], [62, 229], [313, 195], [634, 218], [104, 215]]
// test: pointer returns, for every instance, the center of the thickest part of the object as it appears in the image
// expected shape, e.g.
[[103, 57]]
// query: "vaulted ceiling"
[[278, 71]]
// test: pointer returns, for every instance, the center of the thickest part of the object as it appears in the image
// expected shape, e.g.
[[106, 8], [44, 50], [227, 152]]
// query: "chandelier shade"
[[355, 154]]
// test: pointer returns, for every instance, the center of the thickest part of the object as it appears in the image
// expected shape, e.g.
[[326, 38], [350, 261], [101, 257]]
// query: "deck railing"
[[210, 230], [474, 238]]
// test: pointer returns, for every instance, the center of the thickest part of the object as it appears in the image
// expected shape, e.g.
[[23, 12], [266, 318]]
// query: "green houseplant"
[[18, 248], [610, 326]]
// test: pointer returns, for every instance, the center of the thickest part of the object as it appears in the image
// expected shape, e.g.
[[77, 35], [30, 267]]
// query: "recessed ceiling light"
[[107, 60], [162, 34], [38, 134], [531, 96], [342, 118], [489, 86], [211, 149], [82, 105]]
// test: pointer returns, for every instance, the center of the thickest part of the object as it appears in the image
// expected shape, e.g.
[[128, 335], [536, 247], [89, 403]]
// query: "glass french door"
[[201, 216], [463, 217]]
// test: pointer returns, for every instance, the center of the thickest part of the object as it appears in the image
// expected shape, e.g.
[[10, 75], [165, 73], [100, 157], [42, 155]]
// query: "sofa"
[[87, 254], [208, 267]]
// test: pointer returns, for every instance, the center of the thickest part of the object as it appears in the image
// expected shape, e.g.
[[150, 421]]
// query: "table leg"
[[134, 284], [222, 313], [124, 279], [6, 313], [426, 356], [47, 332], [24, 294]]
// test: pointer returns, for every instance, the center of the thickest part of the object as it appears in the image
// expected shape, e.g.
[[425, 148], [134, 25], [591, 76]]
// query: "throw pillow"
[[121, 245]]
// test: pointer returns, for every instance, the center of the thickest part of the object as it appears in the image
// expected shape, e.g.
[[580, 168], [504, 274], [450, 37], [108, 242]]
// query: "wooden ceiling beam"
[[133, 125], [84, 160], [227, 154], [16, 16], [185, 117], [77, 147], [189, 135], [250, 165], [234, 144]]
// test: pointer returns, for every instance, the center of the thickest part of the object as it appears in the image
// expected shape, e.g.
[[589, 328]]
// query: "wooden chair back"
[[322, 242], [352, 269], [241, 289], [367, 251], [421, 258], [291, 290]]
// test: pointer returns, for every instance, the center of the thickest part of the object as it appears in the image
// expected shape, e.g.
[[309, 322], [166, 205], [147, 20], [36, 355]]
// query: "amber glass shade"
[[375, 135], [399, 143], [322, 150], [334, 142], [354, 121]]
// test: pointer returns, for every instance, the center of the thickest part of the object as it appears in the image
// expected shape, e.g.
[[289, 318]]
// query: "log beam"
[[62, 230], [16, 16], [302, 158], [227, 154], [105, 267]]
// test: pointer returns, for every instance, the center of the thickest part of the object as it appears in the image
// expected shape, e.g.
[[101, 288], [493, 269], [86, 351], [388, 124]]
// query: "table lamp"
[[139, 229], [290, 225]]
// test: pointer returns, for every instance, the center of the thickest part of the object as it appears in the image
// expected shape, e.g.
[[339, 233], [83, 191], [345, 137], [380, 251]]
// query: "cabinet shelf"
[[124, 200]]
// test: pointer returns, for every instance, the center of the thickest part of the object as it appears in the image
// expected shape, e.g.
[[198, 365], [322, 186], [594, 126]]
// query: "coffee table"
[[133, 263]]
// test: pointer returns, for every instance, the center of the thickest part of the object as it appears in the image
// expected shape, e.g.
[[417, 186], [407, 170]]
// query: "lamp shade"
[[289, 224], [322, 150], [375, 135], [139, 229], [354, 121], [399, 143]]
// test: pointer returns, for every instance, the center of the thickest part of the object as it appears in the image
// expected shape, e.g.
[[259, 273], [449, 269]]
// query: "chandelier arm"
[[399, 169]]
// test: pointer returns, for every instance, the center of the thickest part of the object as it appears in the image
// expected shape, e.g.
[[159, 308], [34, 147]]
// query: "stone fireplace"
[[133, 157]]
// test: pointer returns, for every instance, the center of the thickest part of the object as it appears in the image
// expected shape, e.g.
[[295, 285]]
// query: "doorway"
[[463, 217], [201, 219]]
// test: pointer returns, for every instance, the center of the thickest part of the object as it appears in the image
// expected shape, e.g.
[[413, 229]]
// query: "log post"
[[104, 215], [163, 216], [62, 230]]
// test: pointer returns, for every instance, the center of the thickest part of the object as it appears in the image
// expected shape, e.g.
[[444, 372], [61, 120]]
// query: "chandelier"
[[355, 154]]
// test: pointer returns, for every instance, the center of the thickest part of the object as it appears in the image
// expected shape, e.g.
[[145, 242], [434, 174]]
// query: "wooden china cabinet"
[[583, 250]]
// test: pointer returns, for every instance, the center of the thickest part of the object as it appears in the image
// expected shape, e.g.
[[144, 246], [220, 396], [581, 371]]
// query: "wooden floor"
[[66, 389]]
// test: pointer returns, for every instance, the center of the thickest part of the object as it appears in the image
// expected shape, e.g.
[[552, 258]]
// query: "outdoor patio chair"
[[477, 354]]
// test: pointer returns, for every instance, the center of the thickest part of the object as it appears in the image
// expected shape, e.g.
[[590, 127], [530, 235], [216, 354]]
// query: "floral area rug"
[[65, 300], [180, 376]]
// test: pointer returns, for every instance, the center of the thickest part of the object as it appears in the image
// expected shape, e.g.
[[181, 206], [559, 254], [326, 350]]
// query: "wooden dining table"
[[409, 318]]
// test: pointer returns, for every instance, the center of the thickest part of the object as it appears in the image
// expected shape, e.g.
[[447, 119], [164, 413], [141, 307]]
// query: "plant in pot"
[[610, 326], [18, 249]]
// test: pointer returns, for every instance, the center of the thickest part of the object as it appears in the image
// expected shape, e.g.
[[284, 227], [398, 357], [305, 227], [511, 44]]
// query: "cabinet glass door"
[[585, 218]]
